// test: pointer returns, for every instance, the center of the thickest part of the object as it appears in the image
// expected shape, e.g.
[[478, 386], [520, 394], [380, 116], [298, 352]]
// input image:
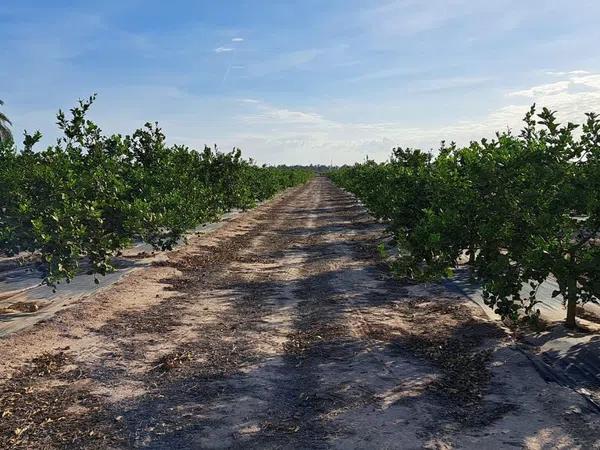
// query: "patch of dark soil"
[[464, 369], [217, 354], [173, 361], [198, 267], [221, 348], [139, 255], [160, 319], [313, 340], [43, 406], [47, 364], [254, 259], [445, 333], [213, 257]]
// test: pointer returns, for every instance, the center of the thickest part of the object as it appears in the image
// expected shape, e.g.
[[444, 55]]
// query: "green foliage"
[[523, 208], [91, 195], [382, 251]]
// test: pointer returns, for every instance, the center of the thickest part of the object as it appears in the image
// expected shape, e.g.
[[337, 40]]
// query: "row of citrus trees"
[[91, 195], [521, 208]]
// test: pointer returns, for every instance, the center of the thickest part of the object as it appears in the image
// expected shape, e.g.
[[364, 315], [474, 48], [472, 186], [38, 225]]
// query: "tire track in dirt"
[[330, 368], [129, 352], [236, 348]]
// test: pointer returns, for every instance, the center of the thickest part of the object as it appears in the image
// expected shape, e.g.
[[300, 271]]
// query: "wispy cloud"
[[351, 79], [382, 74], [450, 83], [265, 113], [406, 17], [284, 61], [572, 72], [284, 133], [301, 136], [542, 90]]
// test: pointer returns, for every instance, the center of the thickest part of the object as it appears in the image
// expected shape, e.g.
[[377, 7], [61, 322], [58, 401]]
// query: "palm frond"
[[3, 118]]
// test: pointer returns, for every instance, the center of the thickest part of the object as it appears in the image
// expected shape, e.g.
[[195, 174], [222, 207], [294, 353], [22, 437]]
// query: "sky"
[[298, 82]]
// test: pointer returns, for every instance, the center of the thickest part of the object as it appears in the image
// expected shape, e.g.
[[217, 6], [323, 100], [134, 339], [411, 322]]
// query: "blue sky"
[[300, 81]]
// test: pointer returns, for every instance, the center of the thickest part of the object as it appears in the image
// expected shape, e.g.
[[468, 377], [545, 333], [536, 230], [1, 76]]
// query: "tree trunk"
[[471, 255], [571, 304]]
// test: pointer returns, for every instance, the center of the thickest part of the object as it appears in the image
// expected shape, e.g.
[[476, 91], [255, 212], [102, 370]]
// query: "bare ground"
[[280, 330]]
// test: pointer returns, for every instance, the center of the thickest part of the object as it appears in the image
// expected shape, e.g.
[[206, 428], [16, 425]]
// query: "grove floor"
[[280, 330]]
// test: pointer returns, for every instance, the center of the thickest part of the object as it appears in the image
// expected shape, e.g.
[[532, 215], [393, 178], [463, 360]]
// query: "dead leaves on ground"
[[43, 407]]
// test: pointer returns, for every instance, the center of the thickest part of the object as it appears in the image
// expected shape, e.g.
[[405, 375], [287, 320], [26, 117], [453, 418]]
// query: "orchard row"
[[91, 195], [521, 207]]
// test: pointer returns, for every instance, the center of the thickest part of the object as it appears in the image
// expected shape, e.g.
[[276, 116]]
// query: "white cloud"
[[571, 97], [394, 43], [266, 114], [591, 80], [542, 90], [391, 19], [286, 134], [279, 134], [408, 17], [572, 72]]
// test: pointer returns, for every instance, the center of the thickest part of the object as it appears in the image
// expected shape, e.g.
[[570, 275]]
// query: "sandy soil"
[[280, 330]]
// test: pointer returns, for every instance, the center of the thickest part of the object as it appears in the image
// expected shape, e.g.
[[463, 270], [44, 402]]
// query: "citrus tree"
[[523, 208], [90, 195]]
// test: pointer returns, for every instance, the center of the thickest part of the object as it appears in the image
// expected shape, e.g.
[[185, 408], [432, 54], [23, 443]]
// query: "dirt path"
[[280, 330]]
